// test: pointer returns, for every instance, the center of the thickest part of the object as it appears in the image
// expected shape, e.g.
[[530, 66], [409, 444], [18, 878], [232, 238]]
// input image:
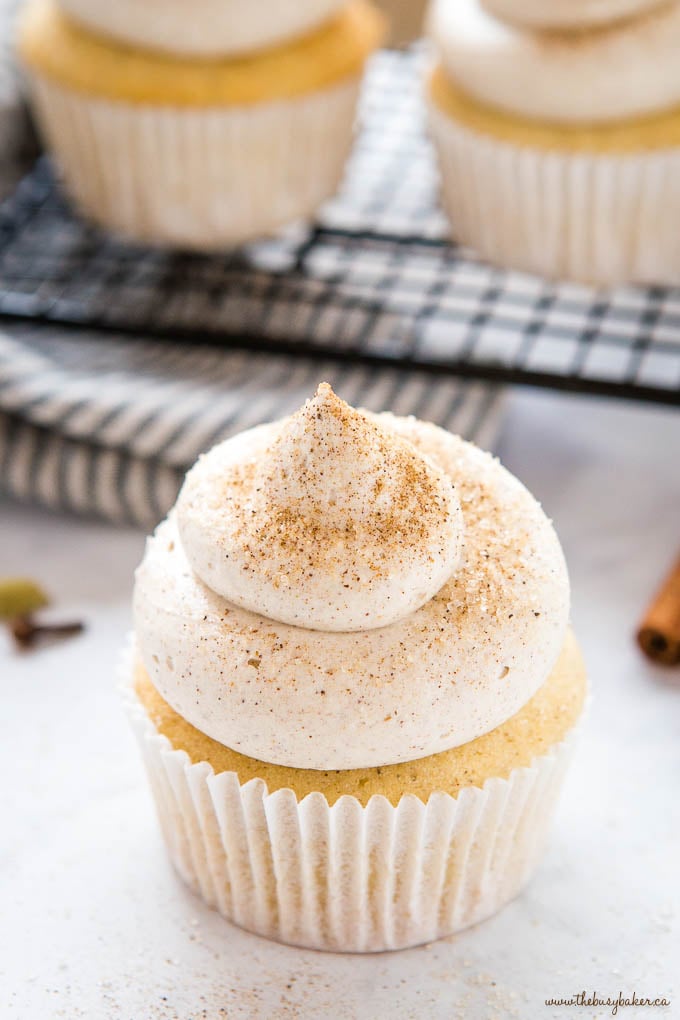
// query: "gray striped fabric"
[[108, 425]]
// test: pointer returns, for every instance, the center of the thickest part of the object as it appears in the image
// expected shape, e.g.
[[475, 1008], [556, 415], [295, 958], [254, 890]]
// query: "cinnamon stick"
[[659, 632]]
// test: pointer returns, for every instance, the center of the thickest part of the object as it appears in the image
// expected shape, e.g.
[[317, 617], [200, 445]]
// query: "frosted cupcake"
[[353, 679], [562, 14], [216, 28], [559, 152], [194, 149]]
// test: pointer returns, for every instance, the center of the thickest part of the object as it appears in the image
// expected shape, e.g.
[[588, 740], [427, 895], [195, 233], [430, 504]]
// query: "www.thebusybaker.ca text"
[[620, 1002]]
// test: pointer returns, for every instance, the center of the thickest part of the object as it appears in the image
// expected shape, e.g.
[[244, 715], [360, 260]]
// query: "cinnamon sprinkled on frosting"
[[337, 525], [456, 667]]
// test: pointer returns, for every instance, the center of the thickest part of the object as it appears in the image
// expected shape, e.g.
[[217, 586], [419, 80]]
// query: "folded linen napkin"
[[107, 425]]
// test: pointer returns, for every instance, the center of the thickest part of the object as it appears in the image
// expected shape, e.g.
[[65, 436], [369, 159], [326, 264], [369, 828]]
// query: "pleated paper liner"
[[198, 178], [345, 877], [595, 218]]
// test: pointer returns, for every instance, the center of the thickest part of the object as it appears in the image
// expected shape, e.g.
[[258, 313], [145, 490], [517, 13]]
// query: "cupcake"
[[560, 14], [559, 151], [216, 28], [196, 143], [353, 679]]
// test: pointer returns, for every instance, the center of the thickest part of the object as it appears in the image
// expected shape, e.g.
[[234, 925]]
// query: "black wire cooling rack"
[[375, 280]]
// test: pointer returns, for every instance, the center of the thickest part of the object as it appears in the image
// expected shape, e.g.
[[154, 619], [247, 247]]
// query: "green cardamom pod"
[[20, 596]]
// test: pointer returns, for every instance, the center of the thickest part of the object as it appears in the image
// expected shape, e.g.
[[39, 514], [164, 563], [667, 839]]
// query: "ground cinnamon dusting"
[[287, 518]]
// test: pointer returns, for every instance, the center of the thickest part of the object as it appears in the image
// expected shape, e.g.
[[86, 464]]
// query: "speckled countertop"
[[96, 924]]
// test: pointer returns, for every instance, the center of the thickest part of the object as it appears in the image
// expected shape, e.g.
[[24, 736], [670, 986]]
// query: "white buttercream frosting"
[[573, 14], [203, 28], [449, 671], [338, 524], [627, 69]]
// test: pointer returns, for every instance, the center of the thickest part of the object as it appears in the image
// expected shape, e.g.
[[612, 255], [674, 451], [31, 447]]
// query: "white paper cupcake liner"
[[599, 219], [198, 178], [345, 877], [215, 27]]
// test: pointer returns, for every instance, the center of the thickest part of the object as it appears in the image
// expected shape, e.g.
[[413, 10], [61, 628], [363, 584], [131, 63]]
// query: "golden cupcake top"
[[202, 28], [600, 75], [657, 132], [539, 725], [568, 14], [54, 45]]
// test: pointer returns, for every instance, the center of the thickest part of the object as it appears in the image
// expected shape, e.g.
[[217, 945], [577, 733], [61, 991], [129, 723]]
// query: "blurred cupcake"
[[560, 14], [559, 152], [194, 150], [353, 680], [216, 28]]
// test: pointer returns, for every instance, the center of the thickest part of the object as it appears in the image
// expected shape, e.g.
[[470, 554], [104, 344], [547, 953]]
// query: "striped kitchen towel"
[[107, 425]]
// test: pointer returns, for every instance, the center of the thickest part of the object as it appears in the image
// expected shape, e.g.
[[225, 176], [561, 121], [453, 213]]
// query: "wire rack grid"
[[374, 280]]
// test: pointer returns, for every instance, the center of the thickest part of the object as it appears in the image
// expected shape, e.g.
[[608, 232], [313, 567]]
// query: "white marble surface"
[[95, 923]]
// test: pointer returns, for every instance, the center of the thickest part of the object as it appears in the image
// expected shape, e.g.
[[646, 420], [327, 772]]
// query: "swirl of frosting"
[[609, 73], [449, 671], [571, 14], [206, 28], [337, 525]]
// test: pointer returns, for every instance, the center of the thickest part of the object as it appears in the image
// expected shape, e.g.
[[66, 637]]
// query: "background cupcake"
[[355, 713], [191, 149], [218, 28], [562, 14], [559, 151]]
